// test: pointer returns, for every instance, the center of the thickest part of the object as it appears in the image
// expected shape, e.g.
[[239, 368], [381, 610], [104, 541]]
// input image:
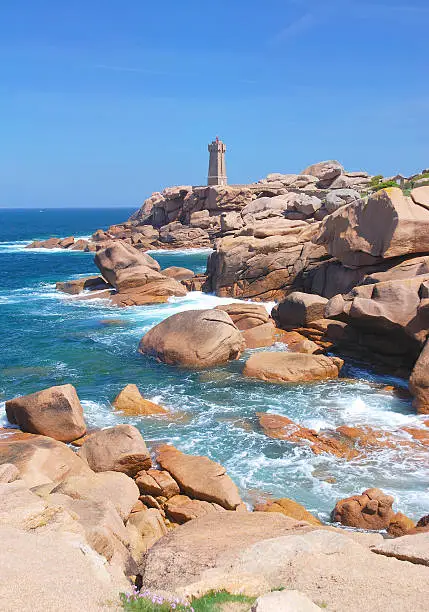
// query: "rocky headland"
[[345, 257]]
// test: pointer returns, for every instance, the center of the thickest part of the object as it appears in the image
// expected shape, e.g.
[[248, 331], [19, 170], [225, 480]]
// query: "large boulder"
[[340, 197], [265, 207], [220, 198], [388, 225], [118, 449], [325, 171], [115, 487], [299, 309], [371, 510], [194, 338], [135, 276], [40, 459], [71, 576], [55, 412], [117, 256], [285, 367], [242, 553], [178, 234], [200, 544], [391, 315], [260, 336], [246, 315], [199, 477]]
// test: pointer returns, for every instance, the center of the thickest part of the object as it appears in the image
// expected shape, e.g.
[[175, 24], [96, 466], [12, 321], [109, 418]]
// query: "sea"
[[49, 338]]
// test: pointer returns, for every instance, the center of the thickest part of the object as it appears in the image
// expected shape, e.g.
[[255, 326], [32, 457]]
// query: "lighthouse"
[[217, 167]]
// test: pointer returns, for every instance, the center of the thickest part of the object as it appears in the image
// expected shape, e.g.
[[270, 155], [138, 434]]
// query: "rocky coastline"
[[175, 523], [344, 255]]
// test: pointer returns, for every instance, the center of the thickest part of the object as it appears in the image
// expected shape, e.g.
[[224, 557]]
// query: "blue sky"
[[103, 102]]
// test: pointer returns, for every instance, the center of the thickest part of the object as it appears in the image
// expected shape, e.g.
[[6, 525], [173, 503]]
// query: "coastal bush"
[[146, 601], [377, 183], [419, 180]]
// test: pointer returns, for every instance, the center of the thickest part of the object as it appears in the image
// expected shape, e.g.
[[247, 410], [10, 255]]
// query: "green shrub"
[[146, 601], [385, 185]]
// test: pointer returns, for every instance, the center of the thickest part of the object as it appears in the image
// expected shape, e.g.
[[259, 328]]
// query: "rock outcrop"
[[280, 427], [194, 339], [55, 412], [259, 552], [131, 402], [69, 244], [289, 508], [135, 275], [299, 309], [40, 459], [118, 449], [388, 225], [87, 283], [199, 477], [371, 510], [286, 367]]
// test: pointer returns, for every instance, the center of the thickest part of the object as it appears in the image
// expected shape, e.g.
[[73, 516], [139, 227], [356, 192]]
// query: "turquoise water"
[[49, 338]]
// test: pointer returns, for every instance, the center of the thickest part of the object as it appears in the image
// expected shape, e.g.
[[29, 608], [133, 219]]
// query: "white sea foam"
[[180, 251]]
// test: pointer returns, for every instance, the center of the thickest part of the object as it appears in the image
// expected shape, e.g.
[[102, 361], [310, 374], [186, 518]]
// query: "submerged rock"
[[194, 338], [280, 427]]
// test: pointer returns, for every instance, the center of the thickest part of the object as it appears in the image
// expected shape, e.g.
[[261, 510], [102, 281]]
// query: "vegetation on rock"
[[146, 601]]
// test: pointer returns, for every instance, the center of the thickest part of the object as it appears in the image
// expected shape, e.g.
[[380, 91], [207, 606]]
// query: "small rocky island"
[[345, 257]]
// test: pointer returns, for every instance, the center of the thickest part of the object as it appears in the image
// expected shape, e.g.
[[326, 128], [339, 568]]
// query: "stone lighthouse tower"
[[217, 167]]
